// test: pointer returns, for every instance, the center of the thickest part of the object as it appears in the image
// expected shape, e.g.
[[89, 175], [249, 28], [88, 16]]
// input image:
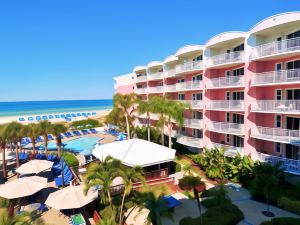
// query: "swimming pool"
[[82, 145]]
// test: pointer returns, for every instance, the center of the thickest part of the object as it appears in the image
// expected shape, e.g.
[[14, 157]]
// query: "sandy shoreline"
[[100, 113]]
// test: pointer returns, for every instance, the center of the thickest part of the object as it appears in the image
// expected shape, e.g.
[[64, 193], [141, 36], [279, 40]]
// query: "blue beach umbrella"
[[78, 114], [30, 118], [57, 116], [51, 117]]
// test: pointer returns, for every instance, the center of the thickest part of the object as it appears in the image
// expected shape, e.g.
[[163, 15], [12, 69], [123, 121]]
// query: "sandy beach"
[[99, 114]]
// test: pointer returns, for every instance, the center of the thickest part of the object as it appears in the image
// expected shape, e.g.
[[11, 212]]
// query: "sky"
[[72, 49]]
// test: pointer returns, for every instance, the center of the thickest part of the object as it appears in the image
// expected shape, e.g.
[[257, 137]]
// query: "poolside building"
[[244, 89]]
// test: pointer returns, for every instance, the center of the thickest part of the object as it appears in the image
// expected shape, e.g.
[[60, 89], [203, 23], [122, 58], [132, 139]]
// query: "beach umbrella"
[[22, 187], [34, 166], [71, 197]]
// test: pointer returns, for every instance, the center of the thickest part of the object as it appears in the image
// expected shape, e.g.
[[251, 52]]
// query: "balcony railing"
[[193, 123], [288, 165], [155, 76], [189, 66], [276, 134], [170, 72], [230, 151], [195, 104], [233, 105], [141, 90], [141, 78], [226, 82], [277, 47], [190, 141], [227, 128], [157, 89], [225, 58], [189, 85], [276, 77], [276, 106]]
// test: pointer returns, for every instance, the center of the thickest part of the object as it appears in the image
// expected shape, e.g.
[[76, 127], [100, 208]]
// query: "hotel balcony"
[[276, 106], [288, 165], [157, 89], [169, 73], [276, 134], [276, 78], [141, 79], [184, 86], [189, 67], [226, 105], [141, 91], [193, 123], [230, 151], [190, 141], [226, 82], [195, 104], [226, 59], [276, 49], [155, 76], [226, 128]]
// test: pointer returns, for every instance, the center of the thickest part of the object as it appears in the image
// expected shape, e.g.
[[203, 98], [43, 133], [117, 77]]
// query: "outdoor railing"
[[288, 165], [276, 106], [230, 150], [276, 134], [277, 47], [190, 141], [170, 88], [156, 174], [225, 58], [189, 66], [275, 77], [193, 123], [226, 81], [170, 72], [224, 127], [195, 104], [189, 85], [141, 90], [226, 105], [141, 78], [154, 76], [156, 89]]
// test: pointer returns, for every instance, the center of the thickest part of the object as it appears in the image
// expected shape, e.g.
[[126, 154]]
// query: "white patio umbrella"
[[34, 166], [71, 197], [22, 187]]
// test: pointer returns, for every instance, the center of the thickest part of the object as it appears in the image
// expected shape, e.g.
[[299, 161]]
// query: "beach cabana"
[[71, 197], [34, 167], [22, 187], [154, 158]]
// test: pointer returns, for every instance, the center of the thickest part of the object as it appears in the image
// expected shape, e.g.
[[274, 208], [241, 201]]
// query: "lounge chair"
[[41, 156], [68, 115], [67, 176], [39, 139], [62, 136], [51, 117], [84, 114], [93, 130], [62, 115], [77, 133], [85, 132], [30, 118], [50, 137], [57, 116], [44, 117], [28, 140], [68, 119], [23, 155], [69, 134], [88, 114], [21, 119], [78, 114], [94, 113], [73, 115], [38, 118]]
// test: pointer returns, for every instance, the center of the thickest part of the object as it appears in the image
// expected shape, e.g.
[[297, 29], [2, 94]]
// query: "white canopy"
[[71, 197], [22, 187], [34, 166], [135, 152]]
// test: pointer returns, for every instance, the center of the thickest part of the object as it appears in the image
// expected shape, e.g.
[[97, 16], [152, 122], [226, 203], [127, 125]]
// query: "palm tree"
[[14, 134], [3, 142], [45, 129], [126, 105], [146, 107], [32, 130], [25, 218], [57, 130], [129, 176]]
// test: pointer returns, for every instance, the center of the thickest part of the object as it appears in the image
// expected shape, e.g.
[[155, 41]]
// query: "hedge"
[[178, 167], [219, 215], [70, 159], [282, 221], [289, 204], [212, 201]]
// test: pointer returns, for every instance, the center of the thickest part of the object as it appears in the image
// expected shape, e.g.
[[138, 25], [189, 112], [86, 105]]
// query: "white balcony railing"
[[288, 165], [276, 134], [170, 72], [225, 58], [157, 89], [195, 104], [190, 141], [231, 81], [230, 151], [189, 85], [141, 78], [189, 66], [276, 106], [276, 77], [141, 90], [277, 47], [170, 88], [155, 76], [227, 128], [193, 123], [233, 105]]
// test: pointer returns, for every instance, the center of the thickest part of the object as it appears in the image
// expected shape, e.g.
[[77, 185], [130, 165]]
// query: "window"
[[197, 96], [180, 81], [181, 96], [197, 133], [278, 94], [198, 58], [197, 115], [197, 78], [161, 84], [277, 147], [239, 48], [294, 35], [278, 66], [238, 72], [227, 138], [227, 95], [227, 117], [278, 121], [227, 73], [238, 95], [238, 118]]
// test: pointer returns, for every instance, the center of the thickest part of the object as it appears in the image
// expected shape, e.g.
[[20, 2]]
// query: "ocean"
[[46, 107]]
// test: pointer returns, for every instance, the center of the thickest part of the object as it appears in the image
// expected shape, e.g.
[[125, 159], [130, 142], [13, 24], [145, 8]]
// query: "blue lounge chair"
[[30, 118], [50, 137], [57, 116], [69, 134], [93, 130], [62, 136], [84, 114], [68, 115], [67, 176], [78, 114], [21, 119], [50, 117], [23, 156], [68, 119], [62, 115], [85, 132], [44, 117], [41, 156], [94, 113], [73, 115], [77, 133], [39, 139], [52, 158], [121, 137], [88, 114], [38, 118], [28, 140]]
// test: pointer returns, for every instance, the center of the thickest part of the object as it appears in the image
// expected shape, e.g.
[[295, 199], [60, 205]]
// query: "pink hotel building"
[[243, 87]]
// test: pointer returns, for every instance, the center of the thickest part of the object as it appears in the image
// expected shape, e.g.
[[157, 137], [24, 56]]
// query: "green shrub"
[[282, 221], [289, 204], [4, 203], [189, 182], [178, 167], [213, 201], [219, 215], [70, 159], [88, 123], [142, 133]]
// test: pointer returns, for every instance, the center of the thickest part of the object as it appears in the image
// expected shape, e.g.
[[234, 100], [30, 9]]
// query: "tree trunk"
[[58, 150], [148, 124], [46, 145], [170, 127], [33, 146], [196, 193], [4, 163], [121, 210], [17, 156], [62, 173], [162, 136], [127, 126]]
